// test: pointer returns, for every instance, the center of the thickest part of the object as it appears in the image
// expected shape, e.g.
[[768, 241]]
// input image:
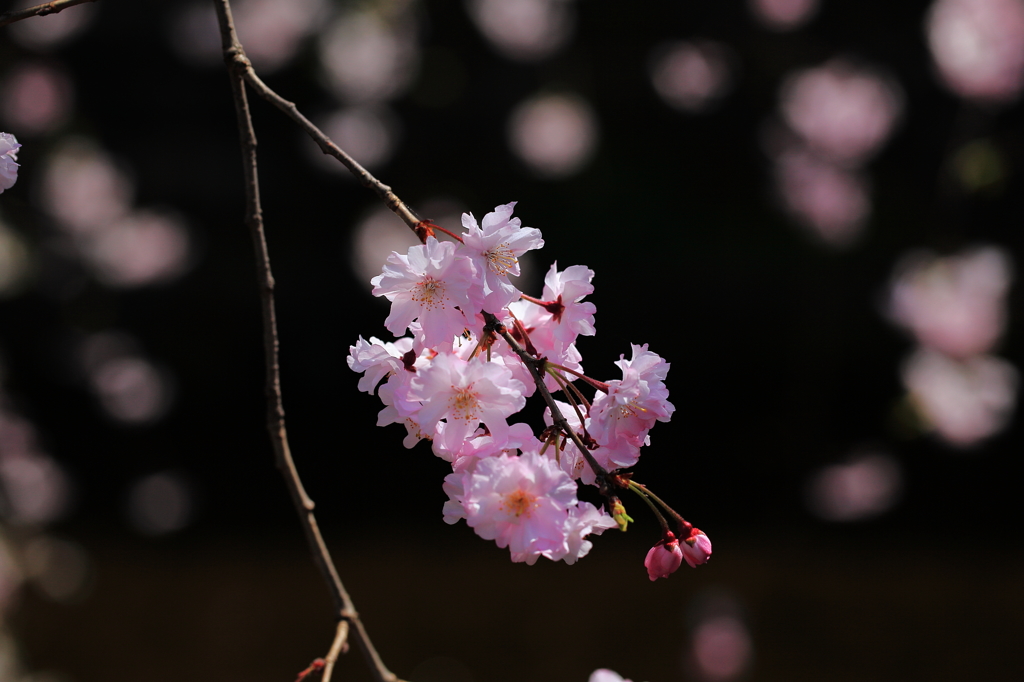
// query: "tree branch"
[[39, 10], [328, 147], [238, 66]]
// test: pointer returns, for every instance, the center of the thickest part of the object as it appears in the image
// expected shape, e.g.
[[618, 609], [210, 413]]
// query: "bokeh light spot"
[[842, 111], [525, 30], [955, 305], [692, 76], [783, 15], [36, 99], [367, 58], [962, 401], [978, 46], [554, 135], [863, 488], [160, 503]]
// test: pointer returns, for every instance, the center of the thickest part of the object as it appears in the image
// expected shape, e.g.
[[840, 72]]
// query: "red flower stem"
[[531, 299], [639, 487], [568, 396], [579, 396], [599, 385], [447, 232]]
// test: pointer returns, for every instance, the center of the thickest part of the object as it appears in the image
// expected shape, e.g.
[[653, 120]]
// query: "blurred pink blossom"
[[866, 486], [842, 111], [83, 188], [555, 135], [525, 30], [955, 305], [963, 401], [129, 387], [783, 15], [722, 648], [978, 46], [36, 98], [271, 30], [830, 200], [143, 247], [692, 76], [369, 58]]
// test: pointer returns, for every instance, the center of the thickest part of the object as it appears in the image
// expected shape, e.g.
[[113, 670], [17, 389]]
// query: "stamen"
[[501, 259], [519, 503]]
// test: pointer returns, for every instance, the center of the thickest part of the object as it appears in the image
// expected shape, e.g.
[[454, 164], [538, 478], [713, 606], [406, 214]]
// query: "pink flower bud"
[[696, 549], [664, 558]]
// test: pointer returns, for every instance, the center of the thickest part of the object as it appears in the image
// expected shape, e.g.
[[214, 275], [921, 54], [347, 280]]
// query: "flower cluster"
[[477, 348]]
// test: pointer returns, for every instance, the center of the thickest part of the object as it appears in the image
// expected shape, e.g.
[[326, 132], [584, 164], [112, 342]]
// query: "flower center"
[[429, 293], [519, 503], [501, 259], [631, 409], [463, 404]]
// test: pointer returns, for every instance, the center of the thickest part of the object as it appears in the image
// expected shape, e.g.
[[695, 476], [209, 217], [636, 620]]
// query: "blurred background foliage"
[[812, 209]]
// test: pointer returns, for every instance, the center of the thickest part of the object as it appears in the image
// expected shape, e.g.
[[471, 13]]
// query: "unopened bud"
[[696, 548], [664, 558]]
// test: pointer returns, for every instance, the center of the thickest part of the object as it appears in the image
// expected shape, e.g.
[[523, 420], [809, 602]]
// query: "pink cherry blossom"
[[519, 502], [568, 289], [494, 248], [650, 366], [461, 452], [466, 393], [399, 409], [377, 359], [631, 406], [696, 548], [430, 284], [664, 558], [8, 161], [584, 519], [620, 454]]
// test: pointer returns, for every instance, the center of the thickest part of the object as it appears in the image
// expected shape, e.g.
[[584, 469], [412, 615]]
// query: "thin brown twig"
[[238, 65], [337, 647], [364, 176], [39, 10]]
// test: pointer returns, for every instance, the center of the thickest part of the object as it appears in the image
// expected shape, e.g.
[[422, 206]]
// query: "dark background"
[[782, 362]]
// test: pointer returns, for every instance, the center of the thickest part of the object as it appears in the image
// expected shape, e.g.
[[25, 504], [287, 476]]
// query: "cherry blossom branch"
[[556, 414], [399, 207], [328, 147], [238, 66], [39, 10], [605, 480]]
